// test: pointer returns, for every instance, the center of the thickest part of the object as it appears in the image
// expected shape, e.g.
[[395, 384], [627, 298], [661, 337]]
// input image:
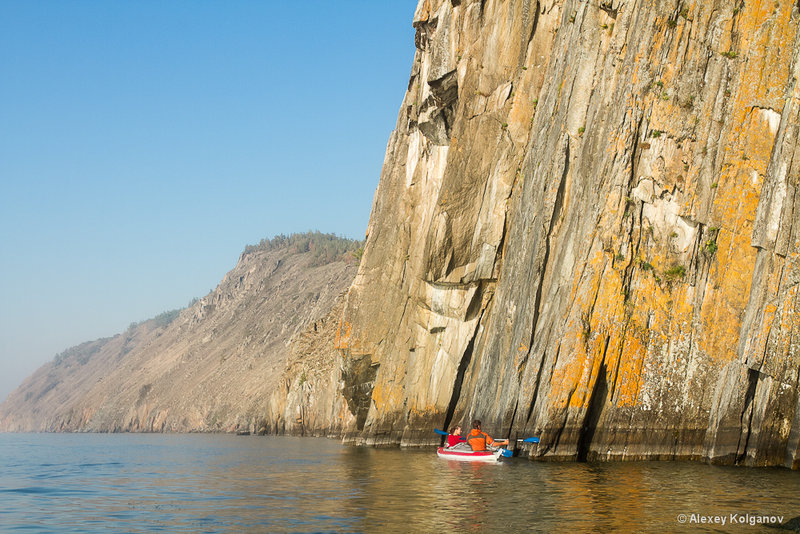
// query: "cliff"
[[585, 230], [213, 367]]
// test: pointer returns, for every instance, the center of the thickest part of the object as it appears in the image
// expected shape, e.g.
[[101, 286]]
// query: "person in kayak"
[[479, 440], [455, 437]]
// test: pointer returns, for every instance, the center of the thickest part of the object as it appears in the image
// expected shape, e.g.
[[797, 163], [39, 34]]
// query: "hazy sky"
[[144, 144]]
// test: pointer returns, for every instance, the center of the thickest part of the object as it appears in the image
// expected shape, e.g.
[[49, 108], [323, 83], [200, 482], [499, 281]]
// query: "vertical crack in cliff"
[[747, 413], [616, 368], [536, 386], [597, 403], [466, 358], [501, 244], [630, 223], [554, 215], [513, 416], [703, 269], [535, 23]]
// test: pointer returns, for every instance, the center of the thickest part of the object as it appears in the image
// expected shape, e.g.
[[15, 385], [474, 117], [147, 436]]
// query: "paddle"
[[526, 440]]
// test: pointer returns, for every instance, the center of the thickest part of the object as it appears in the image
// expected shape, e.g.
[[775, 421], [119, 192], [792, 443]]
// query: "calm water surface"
[[221, 483]]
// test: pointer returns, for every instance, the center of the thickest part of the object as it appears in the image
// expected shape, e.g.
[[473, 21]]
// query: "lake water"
[[223, 483]]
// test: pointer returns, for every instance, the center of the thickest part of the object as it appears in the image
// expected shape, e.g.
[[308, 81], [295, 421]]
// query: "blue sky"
[[144, 144]]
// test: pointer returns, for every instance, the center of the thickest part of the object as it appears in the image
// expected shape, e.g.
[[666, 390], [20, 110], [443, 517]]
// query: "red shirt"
[[452, 439]]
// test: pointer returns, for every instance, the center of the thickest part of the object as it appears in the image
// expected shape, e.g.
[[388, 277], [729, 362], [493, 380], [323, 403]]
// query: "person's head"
[[455, 430], [476, 424]]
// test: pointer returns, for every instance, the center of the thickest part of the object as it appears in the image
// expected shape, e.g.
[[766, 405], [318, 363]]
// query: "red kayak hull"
[[470, 456]]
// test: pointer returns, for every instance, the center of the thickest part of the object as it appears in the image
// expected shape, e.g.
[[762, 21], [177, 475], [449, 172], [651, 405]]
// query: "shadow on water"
[[144, 483]]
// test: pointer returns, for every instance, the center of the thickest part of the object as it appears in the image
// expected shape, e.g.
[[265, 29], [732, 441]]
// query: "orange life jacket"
[[478, 440]]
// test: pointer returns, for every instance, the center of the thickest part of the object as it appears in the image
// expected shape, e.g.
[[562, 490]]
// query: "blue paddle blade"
[[530, 440], [507, 453], [440, 432]]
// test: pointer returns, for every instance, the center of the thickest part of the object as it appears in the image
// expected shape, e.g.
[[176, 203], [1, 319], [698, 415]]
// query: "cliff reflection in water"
[[419, 489], [221, 483]]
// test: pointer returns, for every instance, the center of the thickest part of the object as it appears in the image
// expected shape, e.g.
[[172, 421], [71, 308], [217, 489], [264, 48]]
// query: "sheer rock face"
[[585, 230]]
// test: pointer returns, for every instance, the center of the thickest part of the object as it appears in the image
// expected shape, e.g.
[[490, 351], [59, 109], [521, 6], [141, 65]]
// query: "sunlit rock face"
[[585, 229]]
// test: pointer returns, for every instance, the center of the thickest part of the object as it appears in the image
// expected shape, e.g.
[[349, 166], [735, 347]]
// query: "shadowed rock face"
[[585, 230]]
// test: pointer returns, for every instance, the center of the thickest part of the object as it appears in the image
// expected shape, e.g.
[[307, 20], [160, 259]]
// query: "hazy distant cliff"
[[214, 367], [585, 230]]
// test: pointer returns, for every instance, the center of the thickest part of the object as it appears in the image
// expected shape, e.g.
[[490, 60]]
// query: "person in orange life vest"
[[455, 437], [479, 441]]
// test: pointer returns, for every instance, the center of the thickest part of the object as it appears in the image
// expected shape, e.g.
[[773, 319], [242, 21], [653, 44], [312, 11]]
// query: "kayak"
[[472, 456]]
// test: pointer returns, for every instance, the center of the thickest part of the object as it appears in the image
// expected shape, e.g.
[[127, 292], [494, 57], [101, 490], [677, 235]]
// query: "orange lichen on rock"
[[749, 149], [386, 395], [575, 366], [629, 378], [735, 206], [343, 335]]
